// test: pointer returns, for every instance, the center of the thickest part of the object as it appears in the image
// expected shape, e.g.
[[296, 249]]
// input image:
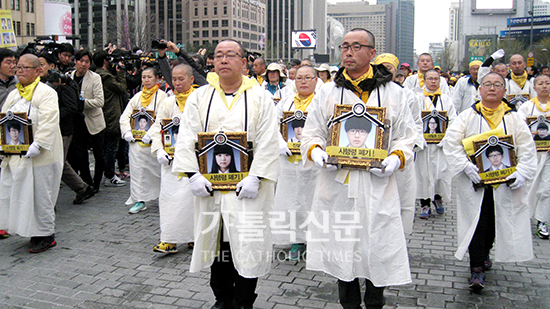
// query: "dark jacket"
[[381, 76], [68, 97], [114, 92], [5, 88]]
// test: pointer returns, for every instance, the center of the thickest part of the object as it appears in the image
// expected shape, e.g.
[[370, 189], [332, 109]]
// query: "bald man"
[[29, 184], [259, 67], [518, 82]]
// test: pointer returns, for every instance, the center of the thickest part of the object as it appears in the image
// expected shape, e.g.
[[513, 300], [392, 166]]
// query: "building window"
[[18, 28], [225, 23], [195, 24], [32, 29], [16, 5], [196, 43], [205, 11], [196, 33], [215, 33], [215, 23], [197, 12], [205, 33], [225, 33], [28, 29], [215, 42], [225, 10], [205, 42], [215, 11], [205, 23]]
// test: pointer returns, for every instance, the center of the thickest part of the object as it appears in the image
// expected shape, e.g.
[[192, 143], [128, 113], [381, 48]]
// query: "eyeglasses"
[[24, 68], [306, 79], [433, 79], [488, 85], [356, 131], [355, 47], [229, 55]]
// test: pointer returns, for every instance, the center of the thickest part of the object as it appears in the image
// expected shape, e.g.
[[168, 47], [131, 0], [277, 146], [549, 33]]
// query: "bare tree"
[[448, 58]]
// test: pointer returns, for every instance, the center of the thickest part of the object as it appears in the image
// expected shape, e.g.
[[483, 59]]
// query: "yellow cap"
[[453, 79], [437, 67], [387, 58], [475, 62]]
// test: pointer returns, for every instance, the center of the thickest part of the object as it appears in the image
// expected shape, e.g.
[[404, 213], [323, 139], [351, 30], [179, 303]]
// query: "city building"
[[454, 21], [541, 8], [27, 18], [405, 29]]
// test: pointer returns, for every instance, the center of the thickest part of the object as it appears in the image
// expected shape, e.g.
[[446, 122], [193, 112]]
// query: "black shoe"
[[477, 282], [41, 244], [86, 194], [223, 305]]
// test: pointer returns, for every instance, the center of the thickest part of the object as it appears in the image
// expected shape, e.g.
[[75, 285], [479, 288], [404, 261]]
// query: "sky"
[[431, 24]]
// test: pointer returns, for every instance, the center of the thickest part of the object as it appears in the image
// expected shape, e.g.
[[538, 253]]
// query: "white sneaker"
[[542, 230], [115, 182]]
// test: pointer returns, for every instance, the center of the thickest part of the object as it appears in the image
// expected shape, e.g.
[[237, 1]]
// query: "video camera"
[[159, 44], [42, 44], [128, 59], [54, 76]]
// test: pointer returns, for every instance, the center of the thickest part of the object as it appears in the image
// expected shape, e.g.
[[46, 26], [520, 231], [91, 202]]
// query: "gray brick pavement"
[[104, 259]]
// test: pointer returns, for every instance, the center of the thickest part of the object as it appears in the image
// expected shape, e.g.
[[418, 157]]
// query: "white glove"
[[319, 157], [163, 157], [129, 137], [472, 171], [283, 147], [146, 139], [248, 187], [33, 151], [390, 163], [498, 54], [519, 180], [200, 186]]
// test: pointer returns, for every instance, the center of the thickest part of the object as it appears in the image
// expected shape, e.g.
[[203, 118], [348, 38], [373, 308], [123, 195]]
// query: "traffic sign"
[[480, 58], [530, 55], [530, 61]]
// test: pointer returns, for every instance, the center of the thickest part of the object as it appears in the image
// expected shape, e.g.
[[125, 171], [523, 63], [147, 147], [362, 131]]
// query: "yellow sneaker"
[[166, 247]]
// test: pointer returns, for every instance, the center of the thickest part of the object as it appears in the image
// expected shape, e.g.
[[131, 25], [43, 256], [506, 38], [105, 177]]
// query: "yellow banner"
[[294, 145], [294, 158], [225, 178], [170, 150], [363, 153], [434, 135], [14, 148], [138, 133], [542, 144], [497, 174]]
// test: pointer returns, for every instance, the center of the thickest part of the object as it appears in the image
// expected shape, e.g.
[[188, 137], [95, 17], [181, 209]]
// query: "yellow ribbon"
[[539, 107], [181, 98], [214, 80], [493, 116], [420, 79], [302, 104], [358, 91], [430, 94], [147, 95], [520, 80], [26, 92]]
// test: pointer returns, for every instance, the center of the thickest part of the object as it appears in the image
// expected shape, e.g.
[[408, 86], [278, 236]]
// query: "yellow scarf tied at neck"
[[539, 107], [181, 98], [302, 104], [493, 116], [420, 79], [427, 93], [26, 92], [260, 79], [364, 95], [520, 80], [147, 95]]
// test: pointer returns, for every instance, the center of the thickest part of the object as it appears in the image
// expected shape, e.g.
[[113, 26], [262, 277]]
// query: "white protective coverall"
[[176, 202], [406, 177], [539, 191], [29, 187], [246, 220], [357, 230], [464, 94], [513, 88], [412, 83], [432, 173], [513, 241], [294, 192], [144, 168]]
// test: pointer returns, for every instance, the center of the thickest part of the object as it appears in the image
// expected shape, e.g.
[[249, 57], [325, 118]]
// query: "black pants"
[[484, 236], [227, 284], [111, 148], [78, 153], [122, 155], [350, 295]]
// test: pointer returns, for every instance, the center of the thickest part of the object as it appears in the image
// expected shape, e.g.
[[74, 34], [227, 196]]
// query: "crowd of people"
[[348, 222]]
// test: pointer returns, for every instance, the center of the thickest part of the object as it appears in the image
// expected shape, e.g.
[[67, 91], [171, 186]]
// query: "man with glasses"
[[231, 102], [416, 82], [373, 245], [490, 214], [29, 184]]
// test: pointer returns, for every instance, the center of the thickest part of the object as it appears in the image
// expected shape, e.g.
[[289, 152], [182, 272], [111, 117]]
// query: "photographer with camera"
[[164, 64], [113, 78], [67, 93], [65, 54]]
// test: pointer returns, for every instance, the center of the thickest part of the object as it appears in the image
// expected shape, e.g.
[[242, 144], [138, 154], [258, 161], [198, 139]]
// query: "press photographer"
[[183, 57]]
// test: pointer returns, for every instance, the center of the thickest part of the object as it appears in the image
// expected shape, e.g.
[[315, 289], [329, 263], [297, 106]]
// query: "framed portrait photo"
[[495, 158], [169, 133], [291, 129], [359, 136], [224, 158], [16, 133], [434, 125], [140, 121], [540, 127], [518, 99]]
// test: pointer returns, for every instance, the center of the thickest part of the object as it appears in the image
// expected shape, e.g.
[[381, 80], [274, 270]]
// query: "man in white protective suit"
[[232, 234], [29, 184], [491, 214], [356, 229]]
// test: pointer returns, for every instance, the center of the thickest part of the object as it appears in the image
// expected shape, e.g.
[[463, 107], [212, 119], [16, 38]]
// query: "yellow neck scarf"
[[427, 92], [302, 104], [214, 80], [358, 91], [260, 79], [420, 79], [493, 116], [181, 98], [26, 92], [539, 107], [147, 95], [520, 80]]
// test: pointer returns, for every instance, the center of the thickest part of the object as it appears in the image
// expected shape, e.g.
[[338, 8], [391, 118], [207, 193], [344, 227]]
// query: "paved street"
[[104, 259]]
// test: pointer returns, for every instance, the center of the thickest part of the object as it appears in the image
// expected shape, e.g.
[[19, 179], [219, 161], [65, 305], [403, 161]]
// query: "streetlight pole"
[[532, 12]]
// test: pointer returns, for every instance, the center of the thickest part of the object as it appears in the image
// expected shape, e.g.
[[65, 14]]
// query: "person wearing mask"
[[29, 184], [144, 168], [90, 131], [491, 215]]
